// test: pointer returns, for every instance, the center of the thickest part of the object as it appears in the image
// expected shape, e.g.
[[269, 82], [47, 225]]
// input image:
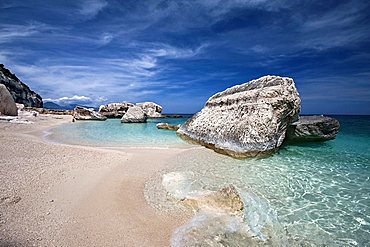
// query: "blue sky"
[[179, 53]]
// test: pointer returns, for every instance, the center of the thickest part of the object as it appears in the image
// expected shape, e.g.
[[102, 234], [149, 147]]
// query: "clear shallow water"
[[113, 133], [320, 192]]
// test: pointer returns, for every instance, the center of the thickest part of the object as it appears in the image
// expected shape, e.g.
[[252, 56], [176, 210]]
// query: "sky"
[[179, 53]]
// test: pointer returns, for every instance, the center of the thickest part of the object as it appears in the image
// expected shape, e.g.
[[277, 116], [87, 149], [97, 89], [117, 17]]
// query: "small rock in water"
[[167, 126], [313, 128]]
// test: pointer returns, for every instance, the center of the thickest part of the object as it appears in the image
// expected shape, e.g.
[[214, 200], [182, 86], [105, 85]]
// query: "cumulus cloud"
[[76, 99]]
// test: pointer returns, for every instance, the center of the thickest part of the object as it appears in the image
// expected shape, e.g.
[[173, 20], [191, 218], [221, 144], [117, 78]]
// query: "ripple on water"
[[320, 192]]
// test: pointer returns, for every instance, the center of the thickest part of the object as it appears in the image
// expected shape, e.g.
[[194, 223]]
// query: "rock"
[[166, 126], [313, 128], [10, 200], [20, 107], [7, 104], [115, 110], [151, 109], [55, 112], [226, 199], [82, 113], [172, 116], [20, 92], [134, 115], [246, 120], [182, 187]]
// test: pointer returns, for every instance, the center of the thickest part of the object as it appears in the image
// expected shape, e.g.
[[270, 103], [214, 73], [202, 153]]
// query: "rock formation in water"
[[20, 92], [246, 120], [134, 114], [7, 104], [166, 126], [313, 128], [151, 109], [81, 113], [115, 110]]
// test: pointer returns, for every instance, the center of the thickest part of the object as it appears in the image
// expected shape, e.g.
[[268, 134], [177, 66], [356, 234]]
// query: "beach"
[[62, 195], [122, 194]]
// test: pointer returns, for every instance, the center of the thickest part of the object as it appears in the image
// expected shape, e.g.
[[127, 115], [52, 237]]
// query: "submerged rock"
[[225, 200], [313, 128], [151, 109], [115, 110], [7, 104], [20, 92], [166, 126], [246, 120], [82, 113], [134, 115], [226, 217]]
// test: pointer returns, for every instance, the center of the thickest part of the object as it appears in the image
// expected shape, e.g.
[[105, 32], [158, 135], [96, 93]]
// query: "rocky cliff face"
[[246, 120], [20, 92]]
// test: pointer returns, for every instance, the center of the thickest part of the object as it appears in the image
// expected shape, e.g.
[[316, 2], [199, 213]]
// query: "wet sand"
[[64, 195]]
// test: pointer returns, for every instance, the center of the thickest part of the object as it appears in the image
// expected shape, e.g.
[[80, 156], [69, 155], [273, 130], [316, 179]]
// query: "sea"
[[307, 194]]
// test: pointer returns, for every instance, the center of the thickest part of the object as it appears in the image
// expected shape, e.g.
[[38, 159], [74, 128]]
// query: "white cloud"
[[106, 38], [90, 8], [10, 32], [76, 99], [164, 50]]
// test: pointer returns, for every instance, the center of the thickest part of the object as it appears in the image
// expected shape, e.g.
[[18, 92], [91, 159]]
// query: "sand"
[[65, 195]]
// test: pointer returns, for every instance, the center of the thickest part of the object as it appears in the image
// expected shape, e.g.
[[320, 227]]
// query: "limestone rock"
[[226, 199], [115, 110], [313, 128], [166, 126], [134, 115], [7, 104], [246, 120], [151, 109], [82, 113], [20, 92]]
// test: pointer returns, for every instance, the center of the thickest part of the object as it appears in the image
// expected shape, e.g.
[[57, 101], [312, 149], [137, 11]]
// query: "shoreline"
[[74, 195]]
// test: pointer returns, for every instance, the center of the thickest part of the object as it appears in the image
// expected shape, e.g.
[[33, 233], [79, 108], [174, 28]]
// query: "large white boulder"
[[246, 120], [134, 115], [7, 104], [82, 113], [151, 109], [115, 110]]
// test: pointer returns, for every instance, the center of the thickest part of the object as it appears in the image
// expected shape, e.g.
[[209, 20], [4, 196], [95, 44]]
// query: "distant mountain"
[[72, 106], [53, 106]]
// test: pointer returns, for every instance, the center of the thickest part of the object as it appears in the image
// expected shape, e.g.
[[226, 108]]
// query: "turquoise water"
[[319, 192], [113, 133]]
